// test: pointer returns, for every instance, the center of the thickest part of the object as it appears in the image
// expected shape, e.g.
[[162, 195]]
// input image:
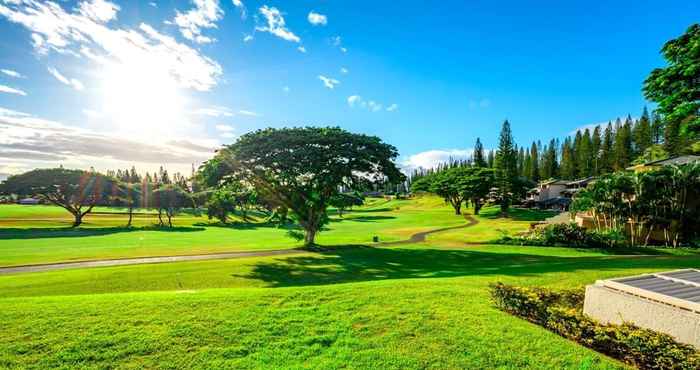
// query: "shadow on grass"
[[70, 232], [517, 214], [364, 263]]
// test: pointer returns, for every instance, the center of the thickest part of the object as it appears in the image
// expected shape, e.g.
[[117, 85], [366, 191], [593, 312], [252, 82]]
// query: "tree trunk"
[[160, 217], [310, 238], [78, 219], [477, 205], [131, 215], [170, 218]]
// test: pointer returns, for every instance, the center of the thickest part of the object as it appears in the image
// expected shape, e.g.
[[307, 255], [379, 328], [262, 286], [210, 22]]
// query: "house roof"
[[553, 182], [581, 181], [677, 160]]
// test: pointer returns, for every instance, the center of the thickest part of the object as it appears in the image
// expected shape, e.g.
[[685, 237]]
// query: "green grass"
[[42, 238], [351, 306]]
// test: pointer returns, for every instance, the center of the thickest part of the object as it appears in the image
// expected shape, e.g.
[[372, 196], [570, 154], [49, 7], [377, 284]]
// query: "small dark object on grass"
[[375, 239]]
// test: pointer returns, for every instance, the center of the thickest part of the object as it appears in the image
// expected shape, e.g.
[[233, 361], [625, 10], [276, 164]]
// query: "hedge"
[[562, 313]]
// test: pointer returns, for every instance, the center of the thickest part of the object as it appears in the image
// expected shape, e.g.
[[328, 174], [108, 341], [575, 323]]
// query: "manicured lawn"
[[351, 306], [42, 238]]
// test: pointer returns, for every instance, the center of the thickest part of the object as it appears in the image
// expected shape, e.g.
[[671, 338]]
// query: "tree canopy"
[[303, 168], [676, 88], [76, 191]]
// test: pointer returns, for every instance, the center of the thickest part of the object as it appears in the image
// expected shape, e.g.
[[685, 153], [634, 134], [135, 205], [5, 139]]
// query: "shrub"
[[561, 312], [567, 235]]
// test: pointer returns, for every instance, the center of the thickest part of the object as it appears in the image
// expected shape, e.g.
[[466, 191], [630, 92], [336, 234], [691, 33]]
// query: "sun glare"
[[141, 100]]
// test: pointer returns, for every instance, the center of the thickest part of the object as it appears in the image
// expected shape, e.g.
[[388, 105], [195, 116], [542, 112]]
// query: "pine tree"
[[585, 157], [657, 129], [672, 138], [521, 162], [505, 165], [595, 151], [490, 159], [535, 168], [479, 160], [623, 145], [607, 155], [642, 134], [576, 155], [567, 168]]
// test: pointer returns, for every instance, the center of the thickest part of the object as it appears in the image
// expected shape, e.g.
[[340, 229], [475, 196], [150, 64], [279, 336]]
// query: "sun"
[[141, 100]]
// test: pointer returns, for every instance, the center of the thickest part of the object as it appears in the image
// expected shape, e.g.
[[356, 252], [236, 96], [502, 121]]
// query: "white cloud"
[[224, 128], [338, 42], [344, 70], [317, 19], [228, 135], [302, 49], [153, 4], [248, 113], [11, 73], [432, 158], [92, 114], [603, 125], [11, 90], [357, 101], [354, 100], [99, 10], [247, 38], [204, 15], [328, 82], [241, 7], [276, 24], [214, 111], [32, 142], [54, 29], [72, 82]]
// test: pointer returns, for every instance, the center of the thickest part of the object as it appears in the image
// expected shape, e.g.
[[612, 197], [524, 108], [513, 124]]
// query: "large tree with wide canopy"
[[76, 191], [304, 168]]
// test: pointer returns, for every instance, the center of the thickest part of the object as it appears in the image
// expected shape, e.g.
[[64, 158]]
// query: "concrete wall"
[[611, 306]]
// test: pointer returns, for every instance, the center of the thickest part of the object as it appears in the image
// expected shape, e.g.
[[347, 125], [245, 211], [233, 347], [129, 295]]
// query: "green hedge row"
[[568, 235], [562, 313]]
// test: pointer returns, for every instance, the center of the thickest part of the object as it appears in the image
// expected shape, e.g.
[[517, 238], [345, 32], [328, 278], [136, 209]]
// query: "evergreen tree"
[[642, 134], [595, 151], [490, 159], [479, 160], [521, 162], [672, 138], [505, 165], [567, 168], [535, 168], [576, 155], [607, 150], [657, 129], [623, 145], [585, 158]]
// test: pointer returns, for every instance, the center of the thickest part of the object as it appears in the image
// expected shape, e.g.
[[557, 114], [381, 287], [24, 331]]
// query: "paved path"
[[143, 260], [420, 237], [415, 238]]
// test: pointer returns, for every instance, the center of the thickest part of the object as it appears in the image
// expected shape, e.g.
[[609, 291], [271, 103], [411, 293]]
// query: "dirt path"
[[415, 238]]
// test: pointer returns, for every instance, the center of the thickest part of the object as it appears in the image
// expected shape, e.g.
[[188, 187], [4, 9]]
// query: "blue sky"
[[113, 83]]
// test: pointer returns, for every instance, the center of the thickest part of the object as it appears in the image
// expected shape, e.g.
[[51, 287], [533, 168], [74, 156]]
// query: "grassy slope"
[[422, 306], [39, 237]]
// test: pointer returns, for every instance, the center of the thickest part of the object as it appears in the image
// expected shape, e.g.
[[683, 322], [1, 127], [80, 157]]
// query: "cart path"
[[420, 237], [415, 238]]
